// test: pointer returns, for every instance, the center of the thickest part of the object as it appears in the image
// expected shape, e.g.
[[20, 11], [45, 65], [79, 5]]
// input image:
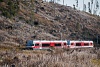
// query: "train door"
[[62, 44], [72, 45], [82, 43], [40, 45], [65, 45], [36, 45], [91, 44], [52, 44], [68, 43]]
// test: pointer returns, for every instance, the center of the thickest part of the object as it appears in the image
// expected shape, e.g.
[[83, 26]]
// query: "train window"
[[45, 45], [36, 44], [72, 43], [65, 44], [86, 44], [57, 44], [78, 44], [91, 43], [32, 45]]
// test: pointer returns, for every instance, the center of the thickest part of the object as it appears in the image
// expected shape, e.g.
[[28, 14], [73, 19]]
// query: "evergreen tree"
[[11, 9]]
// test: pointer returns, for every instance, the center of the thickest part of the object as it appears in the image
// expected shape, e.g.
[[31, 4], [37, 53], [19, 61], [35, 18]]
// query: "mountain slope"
[[48, 21]]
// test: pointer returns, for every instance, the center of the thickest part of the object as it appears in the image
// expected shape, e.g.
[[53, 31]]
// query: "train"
[[46, 44]]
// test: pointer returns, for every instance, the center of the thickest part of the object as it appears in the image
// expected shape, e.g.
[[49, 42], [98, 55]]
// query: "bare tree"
[[89, 7], [76, 3], [84, 7], [63, 2], [96, 7], [74, 6]]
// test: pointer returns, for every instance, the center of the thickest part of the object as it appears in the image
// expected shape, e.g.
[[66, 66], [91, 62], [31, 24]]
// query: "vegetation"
[[96, 61], [72, 24], [9, 8], [43, 58], [1, 0]]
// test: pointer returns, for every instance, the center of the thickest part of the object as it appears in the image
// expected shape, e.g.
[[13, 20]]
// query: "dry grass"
[[55, 58], [42, 20], [96, 62]]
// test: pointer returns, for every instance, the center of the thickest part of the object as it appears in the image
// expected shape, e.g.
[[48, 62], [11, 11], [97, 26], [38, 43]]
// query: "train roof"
[[60, 41], [49, 41]]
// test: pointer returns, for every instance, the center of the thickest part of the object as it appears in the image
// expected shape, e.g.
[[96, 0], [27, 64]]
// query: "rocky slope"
[[48, 21]]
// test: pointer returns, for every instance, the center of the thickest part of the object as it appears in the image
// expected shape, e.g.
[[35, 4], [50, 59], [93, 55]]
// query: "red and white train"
[[44, 44]]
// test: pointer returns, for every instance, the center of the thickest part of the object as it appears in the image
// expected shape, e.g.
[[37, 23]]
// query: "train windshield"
[[29, 43]]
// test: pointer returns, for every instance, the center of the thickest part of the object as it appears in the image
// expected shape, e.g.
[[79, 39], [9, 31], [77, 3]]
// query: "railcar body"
[[44, 44]]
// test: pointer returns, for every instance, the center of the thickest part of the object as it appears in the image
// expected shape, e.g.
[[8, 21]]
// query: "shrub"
[[10, 10], [1, 0], [32, 22], [6, 14], [7, 61]]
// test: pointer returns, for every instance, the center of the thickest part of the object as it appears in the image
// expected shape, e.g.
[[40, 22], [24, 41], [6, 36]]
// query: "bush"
[[10, 10], [7, 61], [32, 22], [6, 14]]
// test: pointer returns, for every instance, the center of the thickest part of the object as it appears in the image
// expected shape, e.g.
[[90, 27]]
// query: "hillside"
[[46, 21]]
